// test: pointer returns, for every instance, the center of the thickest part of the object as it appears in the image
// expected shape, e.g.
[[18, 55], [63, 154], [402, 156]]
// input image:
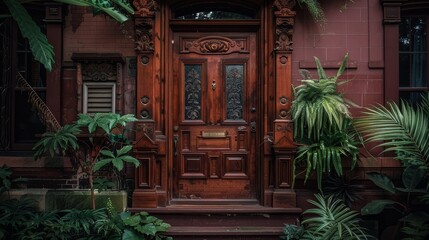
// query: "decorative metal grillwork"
[[193, 91], [234, 91]]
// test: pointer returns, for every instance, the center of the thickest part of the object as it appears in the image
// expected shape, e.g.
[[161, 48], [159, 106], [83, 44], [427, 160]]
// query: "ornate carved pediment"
[[214, 45], [284, 24], [284, 7], [145, 8], [284, 34], [99, 72], [144, 35]]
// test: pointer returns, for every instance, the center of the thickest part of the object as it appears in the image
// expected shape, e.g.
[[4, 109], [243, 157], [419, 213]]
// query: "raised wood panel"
[[242, 140], [283, 171], [213, 143], [193, 165], [235, 165], [215, 164], [186, 140], [145, 172]]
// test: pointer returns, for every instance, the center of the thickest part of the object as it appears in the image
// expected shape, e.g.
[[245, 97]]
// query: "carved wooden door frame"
[[155, 129]]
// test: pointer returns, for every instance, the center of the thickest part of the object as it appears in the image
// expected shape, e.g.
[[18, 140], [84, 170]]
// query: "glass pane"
[[404, 35], [210, 15], [234, 91], [27, 122], [418, 70], [413, 52], [418, 34], [192, 99], [411, 97], [404, 70]]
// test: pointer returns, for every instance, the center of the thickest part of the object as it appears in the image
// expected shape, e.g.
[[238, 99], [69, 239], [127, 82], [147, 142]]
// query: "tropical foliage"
[[93, 142], [329, 219], [316, 11], [403, 130], [322, 124], [39, 45], [21, 220]]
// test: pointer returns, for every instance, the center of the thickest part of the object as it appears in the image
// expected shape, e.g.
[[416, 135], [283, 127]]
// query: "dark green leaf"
[[382, 181], [412, 176], [376, 206], [40, 47]]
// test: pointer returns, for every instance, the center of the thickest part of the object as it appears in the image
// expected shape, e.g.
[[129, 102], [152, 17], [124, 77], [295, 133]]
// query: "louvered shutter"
[[99, 97]]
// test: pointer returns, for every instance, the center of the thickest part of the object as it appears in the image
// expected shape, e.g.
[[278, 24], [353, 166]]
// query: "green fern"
[[322, 125]]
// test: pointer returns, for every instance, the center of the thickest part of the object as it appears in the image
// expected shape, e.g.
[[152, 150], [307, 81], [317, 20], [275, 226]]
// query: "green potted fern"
[[92, 142], [322, 125]]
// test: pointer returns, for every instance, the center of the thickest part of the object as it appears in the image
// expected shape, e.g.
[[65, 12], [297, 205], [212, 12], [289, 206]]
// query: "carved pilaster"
[[284, 148], [146, 148]]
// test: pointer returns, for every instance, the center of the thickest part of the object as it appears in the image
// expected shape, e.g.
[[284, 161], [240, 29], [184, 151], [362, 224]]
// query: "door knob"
[[214, 85], [253, 109]]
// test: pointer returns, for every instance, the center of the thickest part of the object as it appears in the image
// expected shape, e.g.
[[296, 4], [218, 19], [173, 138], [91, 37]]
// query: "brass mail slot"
[[221, 134]]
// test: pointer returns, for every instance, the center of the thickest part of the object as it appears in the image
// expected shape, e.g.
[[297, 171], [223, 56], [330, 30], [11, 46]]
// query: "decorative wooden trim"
[[144, 35], [145, 8], [214, 45], [284, 24], [284, 8]]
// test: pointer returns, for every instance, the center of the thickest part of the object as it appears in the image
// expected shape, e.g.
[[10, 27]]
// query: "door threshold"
[[219, 202]]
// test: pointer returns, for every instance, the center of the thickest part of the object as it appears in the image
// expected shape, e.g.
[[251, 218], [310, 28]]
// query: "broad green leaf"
[[124, 150], [101, 164], [382, 181], [107, 153], [412, 176], [40, 47], [118, 164], [130, 235], [376, 206], [131, 159]]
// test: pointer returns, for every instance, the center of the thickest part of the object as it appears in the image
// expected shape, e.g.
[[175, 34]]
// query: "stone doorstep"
[[225, 231]]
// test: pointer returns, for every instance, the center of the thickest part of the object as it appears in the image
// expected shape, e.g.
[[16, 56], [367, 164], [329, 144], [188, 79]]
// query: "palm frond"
[[114, 11], [332, 219], [403, 130]]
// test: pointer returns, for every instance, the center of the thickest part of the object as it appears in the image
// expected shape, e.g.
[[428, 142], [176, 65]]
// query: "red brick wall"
[[85, 33], [357, 30]]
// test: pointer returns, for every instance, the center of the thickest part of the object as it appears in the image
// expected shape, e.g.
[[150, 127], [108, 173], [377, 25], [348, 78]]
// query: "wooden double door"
[[215, 116]]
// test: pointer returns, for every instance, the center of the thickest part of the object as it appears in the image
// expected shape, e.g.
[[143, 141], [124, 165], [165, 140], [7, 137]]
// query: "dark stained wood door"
[[216, 97]]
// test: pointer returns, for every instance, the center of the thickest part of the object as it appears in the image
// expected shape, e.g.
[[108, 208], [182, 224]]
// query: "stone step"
[[226, 221]]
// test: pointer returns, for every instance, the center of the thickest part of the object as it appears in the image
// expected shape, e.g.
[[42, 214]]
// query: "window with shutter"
[[99, 97]]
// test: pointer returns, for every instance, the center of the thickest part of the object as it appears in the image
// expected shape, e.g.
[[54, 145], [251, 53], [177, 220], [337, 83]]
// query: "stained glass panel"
[[234, 91], [192, 95]]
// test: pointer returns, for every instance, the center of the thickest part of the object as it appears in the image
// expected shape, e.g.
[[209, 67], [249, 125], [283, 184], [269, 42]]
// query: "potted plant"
[[92, 142], [322, 125]]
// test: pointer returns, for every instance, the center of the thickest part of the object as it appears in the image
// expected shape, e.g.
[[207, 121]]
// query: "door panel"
[[215, 79]]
